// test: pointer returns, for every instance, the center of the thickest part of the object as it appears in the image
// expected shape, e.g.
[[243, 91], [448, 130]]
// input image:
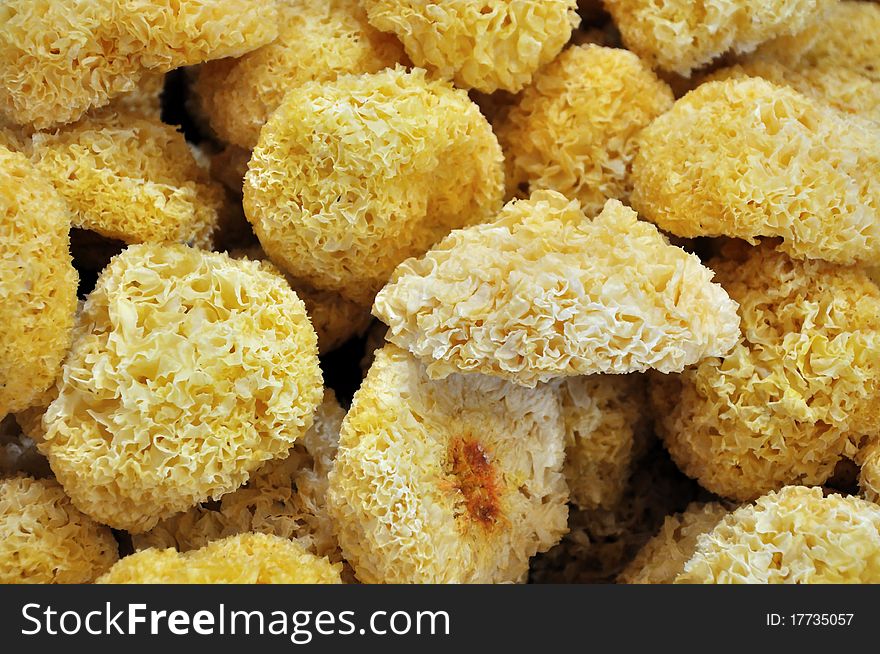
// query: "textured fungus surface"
[[452, 481], [317, 40], [490, 45], [351, 177], [663, 557], [793, 536], [536, 308], [285, 497], [680, 35], [573, 129], [747, 158], [241, 559], [796, 394], [194, 370], [58, 58], [130, 178], [44, 539], [37, 283], [607, 427]]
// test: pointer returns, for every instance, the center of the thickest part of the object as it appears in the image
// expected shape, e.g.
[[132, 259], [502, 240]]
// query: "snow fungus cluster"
[[398, 291]]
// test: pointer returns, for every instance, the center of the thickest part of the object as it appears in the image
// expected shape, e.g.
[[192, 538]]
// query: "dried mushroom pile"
[[340, 291]]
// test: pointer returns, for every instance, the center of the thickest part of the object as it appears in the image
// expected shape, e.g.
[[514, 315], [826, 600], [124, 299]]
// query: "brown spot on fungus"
[[475, 479]]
